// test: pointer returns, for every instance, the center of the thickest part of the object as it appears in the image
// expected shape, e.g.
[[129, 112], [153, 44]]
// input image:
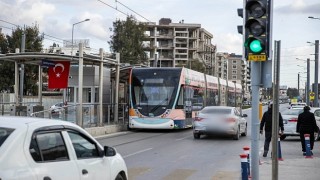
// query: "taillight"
[[293, 120], [231, 120], [198, 119]]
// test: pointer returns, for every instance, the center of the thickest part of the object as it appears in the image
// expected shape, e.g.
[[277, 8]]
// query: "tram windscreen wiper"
[[158, 105]]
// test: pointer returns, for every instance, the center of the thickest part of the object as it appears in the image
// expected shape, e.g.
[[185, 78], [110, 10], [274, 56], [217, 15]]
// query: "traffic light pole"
[[255, 123], [308, 83]]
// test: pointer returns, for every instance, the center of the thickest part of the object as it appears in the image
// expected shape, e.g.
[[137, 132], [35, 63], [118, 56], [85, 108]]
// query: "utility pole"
[[275, 110], [308, 83], [316, 60], [23, 46], [298, 83]]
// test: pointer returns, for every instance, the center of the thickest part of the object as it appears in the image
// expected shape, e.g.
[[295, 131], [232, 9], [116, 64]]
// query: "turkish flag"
[[58, 75]]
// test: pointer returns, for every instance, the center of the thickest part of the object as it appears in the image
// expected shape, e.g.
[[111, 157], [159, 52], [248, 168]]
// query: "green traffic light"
[[255, 46]]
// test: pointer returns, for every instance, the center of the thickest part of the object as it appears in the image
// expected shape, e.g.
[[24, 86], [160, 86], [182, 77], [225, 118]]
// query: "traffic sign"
[[252, 57], [311, 94]]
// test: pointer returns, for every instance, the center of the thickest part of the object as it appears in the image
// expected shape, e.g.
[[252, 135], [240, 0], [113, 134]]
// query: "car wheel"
[[282, 137], [316, 135], [237, 135], [245, 132], [196, 135], [120, 177]]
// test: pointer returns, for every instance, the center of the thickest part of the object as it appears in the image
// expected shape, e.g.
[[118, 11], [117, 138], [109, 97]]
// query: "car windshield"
[[216, 111], [292, 112], [4, 134]]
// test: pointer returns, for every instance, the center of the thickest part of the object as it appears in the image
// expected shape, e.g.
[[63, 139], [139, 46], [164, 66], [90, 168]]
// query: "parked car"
[[34, 148], [220, 120], [56, 108]]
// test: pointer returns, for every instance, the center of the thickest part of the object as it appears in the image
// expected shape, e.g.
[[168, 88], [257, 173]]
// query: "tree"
[[196, 65], [127, 39], [8, 44], [292, 92]]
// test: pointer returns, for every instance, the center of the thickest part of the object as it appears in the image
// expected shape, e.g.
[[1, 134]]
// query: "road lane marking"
[[138, 152], [183, 138]]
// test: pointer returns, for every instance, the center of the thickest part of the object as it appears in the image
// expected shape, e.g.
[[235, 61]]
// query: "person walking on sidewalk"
[[266, 122], [306, 125]]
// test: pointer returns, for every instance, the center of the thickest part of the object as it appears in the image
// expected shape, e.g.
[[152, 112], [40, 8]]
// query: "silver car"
[[290, 119], [220, 120], [316, 112]]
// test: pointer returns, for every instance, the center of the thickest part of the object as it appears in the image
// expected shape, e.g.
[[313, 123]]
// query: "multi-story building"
[[175, 44], [221, 65], [239, 72]]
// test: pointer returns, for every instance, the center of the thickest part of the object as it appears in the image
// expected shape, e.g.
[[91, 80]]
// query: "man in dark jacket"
[[306, 125], [267, 122]]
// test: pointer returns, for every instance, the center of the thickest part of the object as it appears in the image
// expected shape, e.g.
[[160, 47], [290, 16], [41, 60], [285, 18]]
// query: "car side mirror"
[[244, 115], [109, 151]]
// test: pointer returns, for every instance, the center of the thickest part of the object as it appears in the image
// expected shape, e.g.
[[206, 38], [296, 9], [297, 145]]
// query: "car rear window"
[[216, 111], [4, 134], [292, 112]]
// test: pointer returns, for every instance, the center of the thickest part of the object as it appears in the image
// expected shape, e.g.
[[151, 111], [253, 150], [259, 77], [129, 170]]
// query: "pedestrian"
[[306, 125], [266, 122]]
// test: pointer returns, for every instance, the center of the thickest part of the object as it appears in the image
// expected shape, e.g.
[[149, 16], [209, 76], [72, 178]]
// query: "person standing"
[[306, 125], [266, 122]]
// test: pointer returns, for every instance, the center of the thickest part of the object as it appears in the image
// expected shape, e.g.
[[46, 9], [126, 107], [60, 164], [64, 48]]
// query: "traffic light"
[[257, 30]]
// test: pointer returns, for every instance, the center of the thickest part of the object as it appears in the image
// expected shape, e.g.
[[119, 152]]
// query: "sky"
[[291, 24]]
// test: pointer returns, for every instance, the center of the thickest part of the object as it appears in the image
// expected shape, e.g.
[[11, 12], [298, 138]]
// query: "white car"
[[35, 148], [220, 120], [316, 112], [297, 105], [290, 119], [56, 108]]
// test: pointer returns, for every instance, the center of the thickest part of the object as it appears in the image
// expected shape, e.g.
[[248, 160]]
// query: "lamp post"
[[311, 17], [308, 80], [316, 64], [316, 59], [72, 33]]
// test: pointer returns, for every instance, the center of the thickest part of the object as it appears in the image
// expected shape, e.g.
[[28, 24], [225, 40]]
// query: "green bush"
[[246, 106]]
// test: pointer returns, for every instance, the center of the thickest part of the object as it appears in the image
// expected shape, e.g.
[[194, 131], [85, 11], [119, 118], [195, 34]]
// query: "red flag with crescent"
[[58, 75]]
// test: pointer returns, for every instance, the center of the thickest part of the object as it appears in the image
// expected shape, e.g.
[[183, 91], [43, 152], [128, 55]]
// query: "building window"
[[234, 72], [234, 62], [234, 77], [234, 66]]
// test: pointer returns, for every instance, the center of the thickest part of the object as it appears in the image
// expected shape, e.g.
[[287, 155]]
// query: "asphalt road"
[[175, 154]]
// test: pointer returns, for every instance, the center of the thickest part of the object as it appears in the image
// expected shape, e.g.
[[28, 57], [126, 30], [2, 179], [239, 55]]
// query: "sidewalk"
[[299, 168]]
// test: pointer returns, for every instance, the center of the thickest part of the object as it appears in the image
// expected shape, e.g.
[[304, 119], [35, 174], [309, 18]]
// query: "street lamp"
[[311, 17], [308, 80], [316, 73], [72, 33]]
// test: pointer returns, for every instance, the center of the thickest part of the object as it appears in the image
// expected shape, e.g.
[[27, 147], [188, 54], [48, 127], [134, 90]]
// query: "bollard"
[[307, 144], [279, 151], [246, 150], [244, 166]]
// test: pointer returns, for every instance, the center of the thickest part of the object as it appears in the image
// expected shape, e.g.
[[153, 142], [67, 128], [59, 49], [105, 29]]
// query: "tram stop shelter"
[[80, 60]]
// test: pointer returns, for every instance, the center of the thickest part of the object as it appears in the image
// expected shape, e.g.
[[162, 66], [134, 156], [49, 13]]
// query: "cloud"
[[300, 7], [231, 43]]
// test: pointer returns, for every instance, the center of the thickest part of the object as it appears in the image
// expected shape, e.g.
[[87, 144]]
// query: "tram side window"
[[197, 99], [179, 104], [212, 98]]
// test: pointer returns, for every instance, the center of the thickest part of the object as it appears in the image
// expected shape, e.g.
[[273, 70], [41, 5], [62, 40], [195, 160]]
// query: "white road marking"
[[183, 138], [138, 152]]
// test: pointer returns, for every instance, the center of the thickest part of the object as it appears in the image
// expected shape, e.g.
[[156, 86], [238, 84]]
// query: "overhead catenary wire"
[[112, 7], [132, 10]]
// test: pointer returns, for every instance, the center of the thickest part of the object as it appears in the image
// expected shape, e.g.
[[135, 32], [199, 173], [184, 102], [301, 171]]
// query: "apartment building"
[[221, 65], [239, 72], [175, 44]]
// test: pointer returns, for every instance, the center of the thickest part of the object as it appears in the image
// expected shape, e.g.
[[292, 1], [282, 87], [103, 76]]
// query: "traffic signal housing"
[[257, 30]]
